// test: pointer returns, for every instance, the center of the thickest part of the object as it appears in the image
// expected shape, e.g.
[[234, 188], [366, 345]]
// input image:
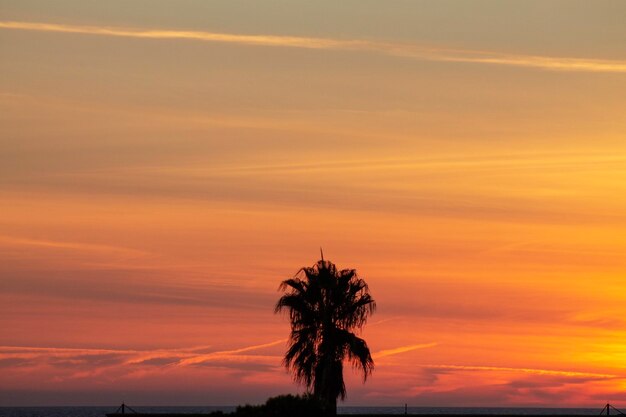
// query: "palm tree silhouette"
[[325, 306]]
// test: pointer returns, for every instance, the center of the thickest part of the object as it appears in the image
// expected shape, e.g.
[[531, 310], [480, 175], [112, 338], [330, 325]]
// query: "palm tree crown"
[[325, 306]]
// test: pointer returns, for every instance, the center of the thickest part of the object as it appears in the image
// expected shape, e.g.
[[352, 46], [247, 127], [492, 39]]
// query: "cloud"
[[10, 362], [111, 369], [402, 349], [125, 285], [397, 49], [209, 357], [161, 361], [95, 360], [451, 386], [551, 372], [535, 382], [80, 246], [82, 359], [398, 184]]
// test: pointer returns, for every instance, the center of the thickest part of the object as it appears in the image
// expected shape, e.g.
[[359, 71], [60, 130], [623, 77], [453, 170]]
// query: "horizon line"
[[532, 406]]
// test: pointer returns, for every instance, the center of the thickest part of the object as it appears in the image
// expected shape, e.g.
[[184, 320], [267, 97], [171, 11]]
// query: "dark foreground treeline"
[[282, 406], [308, 406]]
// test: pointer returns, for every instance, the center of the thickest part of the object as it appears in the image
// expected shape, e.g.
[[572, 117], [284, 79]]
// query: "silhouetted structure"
[[325, 306], [122, 409], [309, 406], [607, 409]]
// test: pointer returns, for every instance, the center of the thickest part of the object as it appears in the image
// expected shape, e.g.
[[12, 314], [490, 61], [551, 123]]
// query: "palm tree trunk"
[[332, 407], [328, 383]]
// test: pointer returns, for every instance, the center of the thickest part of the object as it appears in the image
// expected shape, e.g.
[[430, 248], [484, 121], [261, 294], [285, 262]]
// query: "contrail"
[[402, 349], [226, 353], [10, 240], [522, 370], [180, 356], [397, 49]]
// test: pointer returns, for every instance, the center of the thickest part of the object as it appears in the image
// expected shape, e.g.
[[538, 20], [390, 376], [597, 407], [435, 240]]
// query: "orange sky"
[[164, 165]]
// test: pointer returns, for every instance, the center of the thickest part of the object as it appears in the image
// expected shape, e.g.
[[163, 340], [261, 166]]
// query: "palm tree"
[[325, 306]]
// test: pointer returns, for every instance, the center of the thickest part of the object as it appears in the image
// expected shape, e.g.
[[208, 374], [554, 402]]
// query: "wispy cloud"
[[71, 352], [87, 358], [55, 244], [398, 49], [64, 352], [197, 355], [549, 372], [402, 349], [379, 322], [196, 359]]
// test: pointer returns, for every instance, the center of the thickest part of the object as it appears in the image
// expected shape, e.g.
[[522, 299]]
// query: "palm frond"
[[325, 306]]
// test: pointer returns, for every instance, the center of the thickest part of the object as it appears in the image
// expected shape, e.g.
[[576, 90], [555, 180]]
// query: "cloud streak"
[[197, 359], [397, 49], [101, 358], [550, 372], [402, 349], [54, 244], [160, 357]]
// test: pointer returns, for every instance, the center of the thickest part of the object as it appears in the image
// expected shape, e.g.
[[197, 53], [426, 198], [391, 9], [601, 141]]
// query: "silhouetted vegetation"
[[325, 306], [283, 406]]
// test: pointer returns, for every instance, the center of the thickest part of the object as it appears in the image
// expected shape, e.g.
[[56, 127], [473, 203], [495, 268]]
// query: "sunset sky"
[[165, 164]]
